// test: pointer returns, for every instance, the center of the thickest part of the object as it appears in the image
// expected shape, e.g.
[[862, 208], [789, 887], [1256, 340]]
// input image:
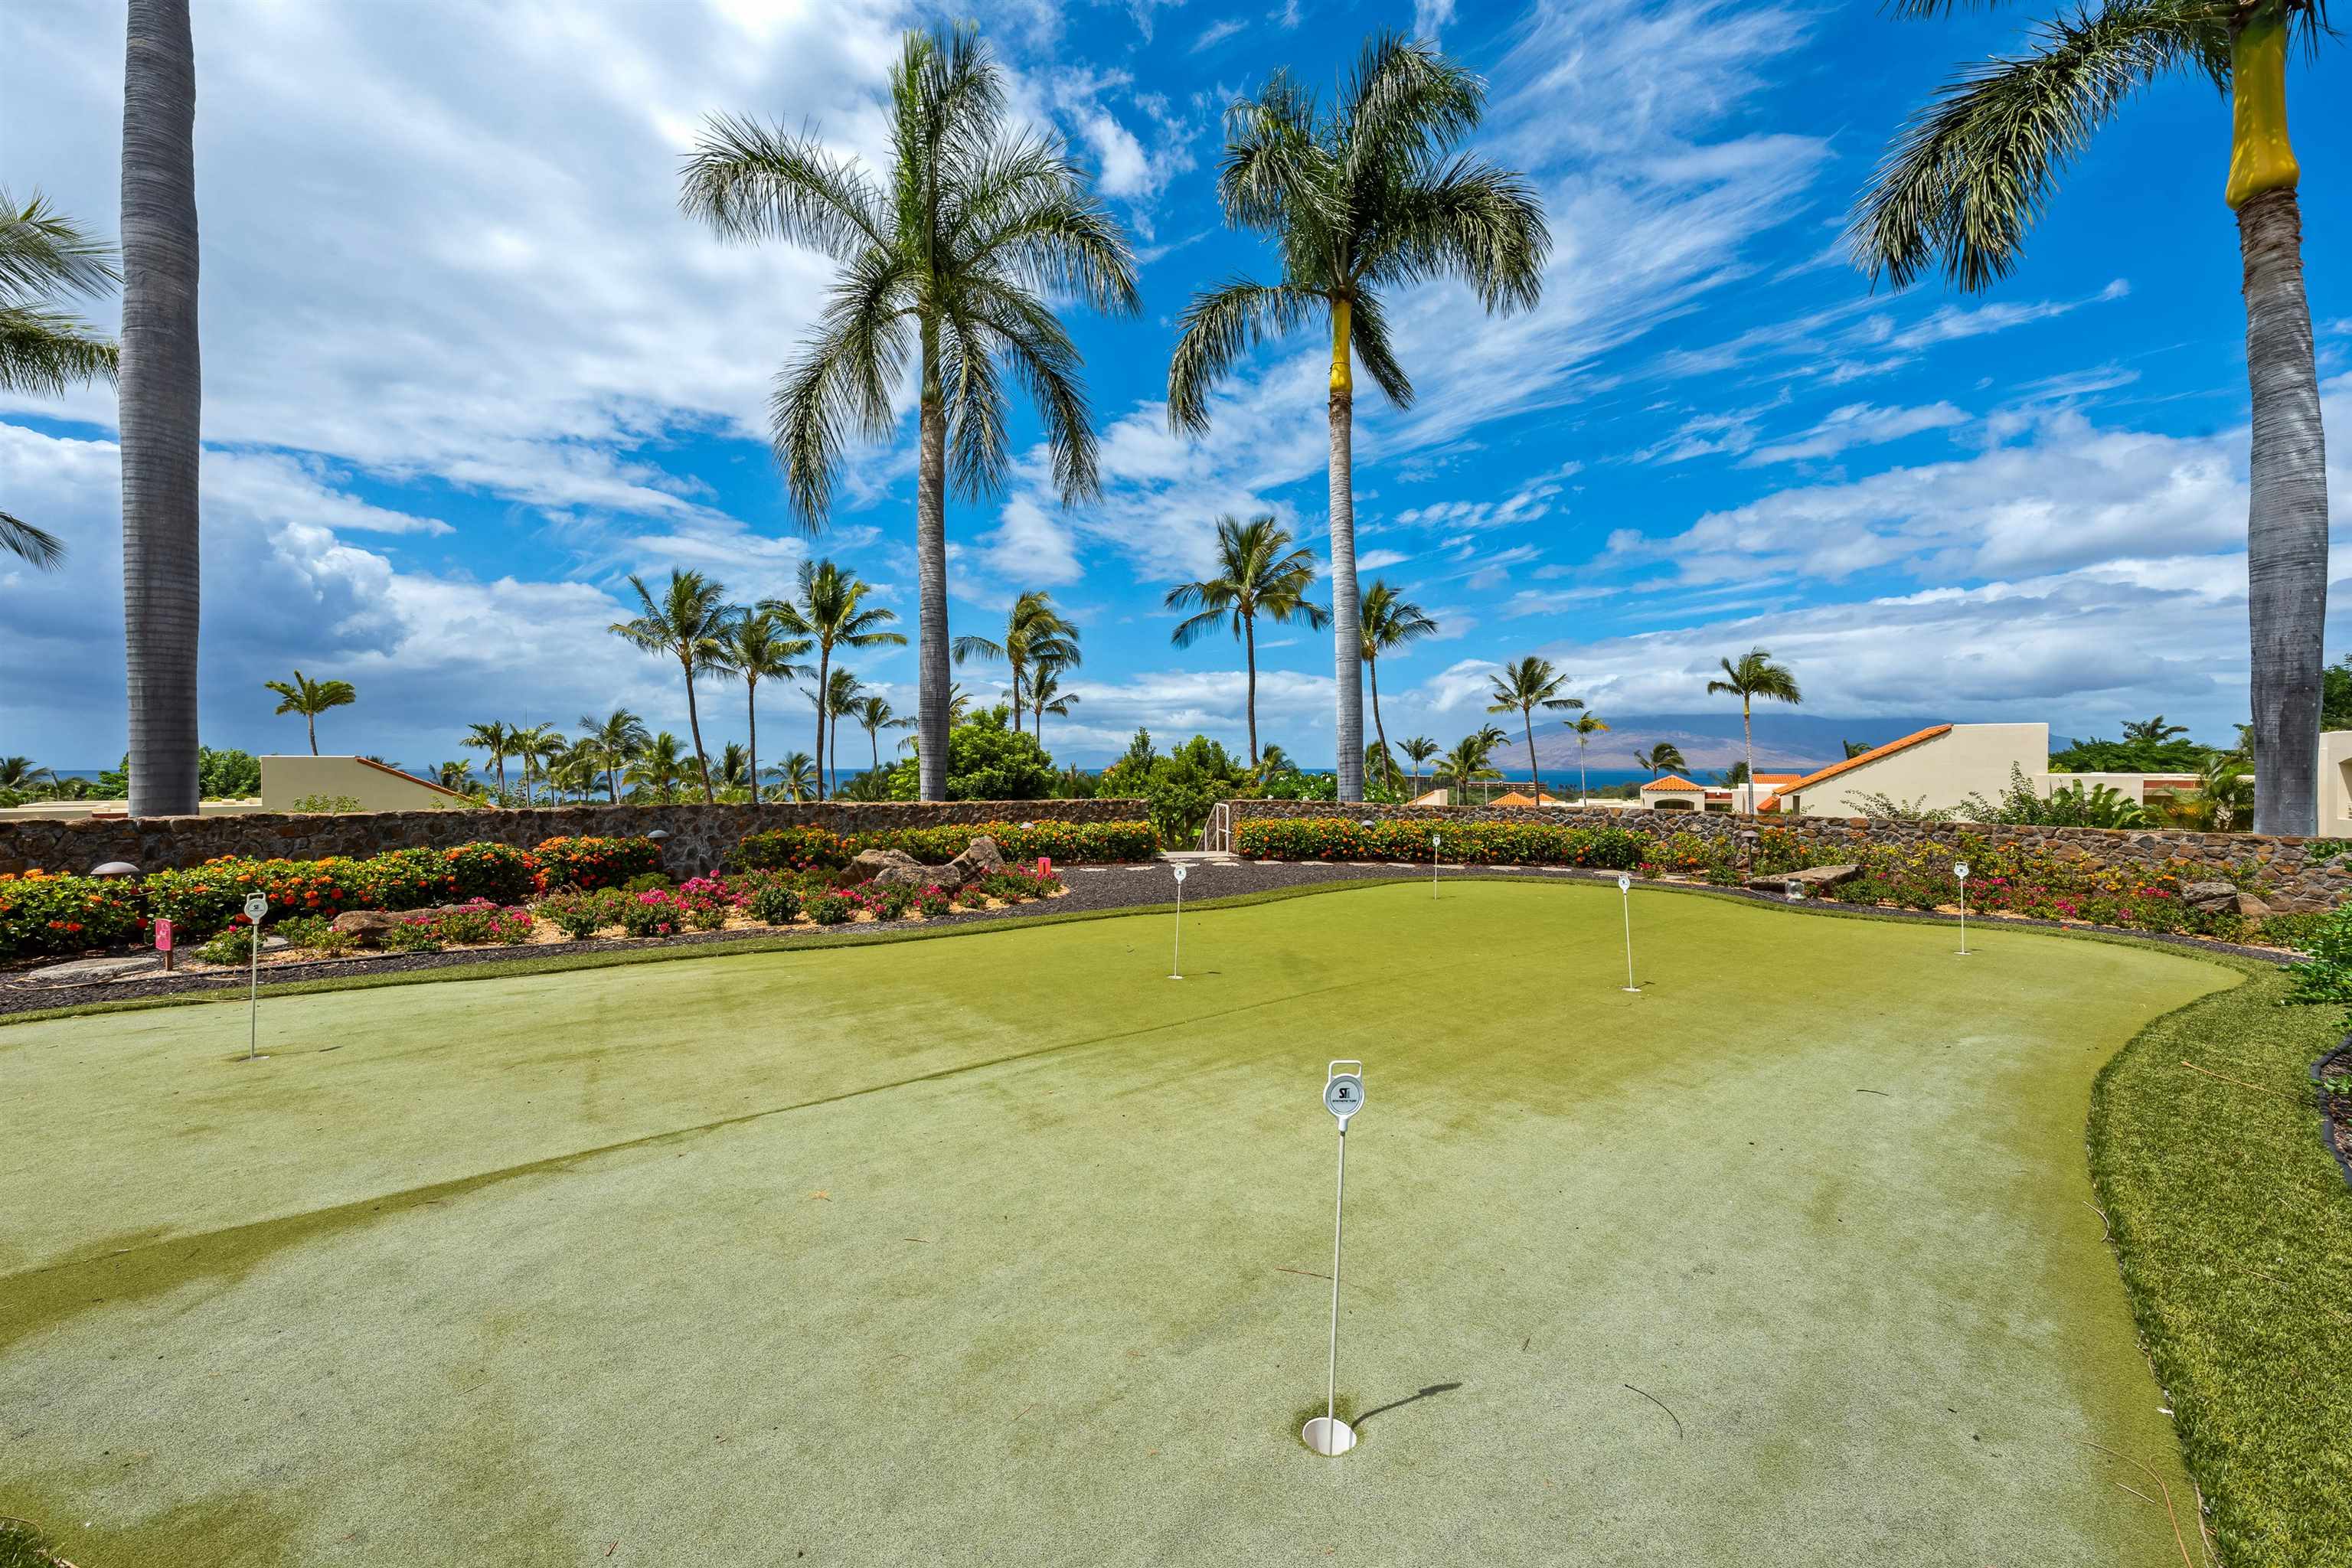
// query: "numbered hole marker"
[[1625, 900], [255, 906], [1961, 871], [1343, 1096], [1176, 954]]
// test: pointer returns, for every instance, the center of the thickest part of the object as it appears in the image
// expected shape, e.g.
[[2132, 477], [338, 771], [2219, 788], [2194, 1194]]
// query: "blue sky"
[[467, 367]]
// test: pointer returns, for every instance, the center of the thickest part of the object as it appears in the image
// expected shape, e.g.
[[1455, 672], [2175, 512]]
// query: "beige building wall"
[[285, 780], [1938, 773], [2335, 784]]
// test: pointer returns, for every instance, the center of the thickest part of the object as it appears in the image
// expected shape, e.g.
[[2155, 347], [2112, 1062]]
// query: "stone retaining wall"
[[2291, 875], [699, 835]]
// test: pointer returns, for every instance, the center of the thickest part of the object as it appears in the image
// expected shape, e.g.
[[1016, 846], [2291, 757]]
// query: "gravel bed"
[[1091, 888]]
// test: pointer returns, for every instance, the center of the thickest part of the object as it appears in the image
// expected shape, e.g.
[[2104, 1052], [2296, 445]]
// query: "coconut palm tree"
[[833, 701], [873, 715], [1586, 726], [1257, 571], [2155, 731], [795, 777], [1047, 696], [1754, 676], [830, 612], [613, 741], [951, 260], [1962, 182], [538, 745], [457, 774], [46, 257], [1665, 757], [1466, 763], [1523, 687], [734, 767], [1418, 751], [311, 698], [576, 772], [756, 646], [497, 737], [160, 405], [1361, 198], [1389, 623], [1034, 631], [686, 623], [657, 770], [21, 773]]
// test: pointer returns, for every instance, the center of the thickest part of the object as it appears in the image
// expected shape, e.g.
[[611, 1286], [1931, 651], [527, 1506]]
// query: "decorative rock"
[[979, 859], [2209, 895], [93, 971], [368, 925], [1811, 878], [886, 865], [2251, 907]]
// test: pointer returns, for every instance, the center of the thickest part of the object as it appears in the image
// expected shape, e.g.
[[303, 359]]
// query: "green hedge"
[[41, 914], [818, 849], [1476, 843]]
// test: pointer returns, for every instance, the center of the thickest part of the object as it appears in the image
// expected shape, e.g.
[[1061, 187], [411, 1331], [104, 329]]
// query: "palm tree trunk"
[[1249, 700], [1748, 729], [1583, 788], [160, 405], [833, 745], [824, 673], [2286, 520], [694, 723], [932, 573], [1372, 672], [1347, 628], [1016, 691], [1529, 715], [613, 783], [751, 716], [874, 741], [312, 720]]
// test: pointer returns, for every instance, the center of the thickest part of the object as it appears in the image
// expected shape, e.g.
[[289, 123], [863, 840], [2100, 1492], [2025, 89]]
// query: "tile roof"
[[1872, 755], [1673, 781]]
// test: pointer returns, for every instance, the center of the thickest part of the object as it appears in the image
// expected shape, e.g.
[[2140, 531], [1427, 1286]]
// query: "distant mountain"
[[1785, 742]]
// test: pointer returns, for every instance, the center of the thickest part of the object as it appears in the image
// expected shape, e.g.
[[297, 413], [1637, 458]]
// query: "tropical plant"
[[497, 737], [873, 715], [1665, 757], [23, 773], [1753, 677], [734, 767], [613, 741], [1854, 748], [2070, 806], [2222, 802], [537, 745], [160, 405], [1047, 696], [830, 612], [834, 701], [1586, 726], [1361, 197], [1962, 182], [1034, 633], [1418, 751], [951, 260], [2155, 732], [656, 770], [757, 646], [576, 771], [311, 698], [1256, 571], [1523, 687], [46, 257], [686, 623], [795, 777], [1389, 623], [1465, 765], [457, 774]]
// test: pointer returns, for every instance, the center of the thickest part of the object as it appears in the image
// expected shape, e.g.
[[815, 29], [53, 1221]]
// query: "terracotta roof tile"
[[1872, 755], [1673, 781]]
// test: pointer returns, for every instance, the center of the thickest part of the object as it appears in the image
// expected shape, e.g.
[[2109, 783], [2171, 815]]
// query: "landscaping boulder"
[[2211, 895], [2252, 908], [1812, 878], [368, 925], [981, 858], [891, 868]]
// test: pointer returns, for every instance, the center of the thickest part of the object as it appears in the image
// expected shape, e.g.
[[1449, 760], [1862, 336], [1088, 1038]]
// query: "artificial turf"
[[1006, 1248]]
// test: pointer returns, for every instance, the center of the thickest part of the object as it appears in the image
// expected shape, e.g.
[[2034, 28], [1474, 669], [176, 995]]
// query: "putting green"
[[1007, 1247]]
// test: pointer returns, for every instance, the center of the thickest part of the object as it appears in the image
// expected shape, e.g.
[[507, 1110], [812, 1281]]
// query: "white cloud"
[[1216, 33], [1856, 424]]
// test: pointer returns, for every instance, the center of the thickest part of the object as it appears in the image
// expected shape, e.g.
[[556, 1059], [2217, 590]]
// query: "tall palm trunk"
[[1529, 715], [312, 721], [160, 406], [613, 783], [1747, 731], [824, 670], [693, 723], [1347, 628], [931, 574], [2286, 518], [751, 715], [1249, 699], [1016, 691], [1372, 671]]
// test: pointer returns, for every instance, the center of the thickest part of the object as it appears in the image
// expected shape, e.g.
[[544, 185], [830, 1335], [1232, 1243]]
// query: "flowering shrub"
[[478, 923], [41, 913], [317, 933], [1477, 843], [592, 863], [932, 904], [2023, 879], [892, 903], [404, 880], [200, 899], [498, 873], [651, 914], [789, 850], [582, 915], [815, 848], [1017, 884], [1688, 854], [772, 900], [831, 909]]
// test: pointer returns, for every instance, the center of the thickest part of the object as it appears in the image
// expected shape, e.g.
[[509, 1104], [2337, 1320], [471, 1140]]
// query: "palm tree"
[[1523, 687], [1754, 676], [1360, 199], [498, 739], [1854, 748], [21, 773], [950, 261], [576, 772], [873, 715], [1034, 631], [1963, 180], [831, 611], [1665, 757], [796, 777], [44, 350], [1257, 571], [657, 770], [1047, 696], [612, 740], [734, 766], [457, 774], [160, 405], [539, 744], [1465, 765], [1586, 726], [1389, 623], [2155, 731], [686, 623], [756, 646], [310, 698], [1417, 751], [831, 700]]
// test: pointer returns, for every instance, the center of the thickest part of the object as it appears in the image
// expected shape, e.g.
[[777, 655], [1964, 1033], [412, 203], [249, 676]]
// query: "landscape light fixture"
[[1960, 869], [114, 868], [1343, 1096]]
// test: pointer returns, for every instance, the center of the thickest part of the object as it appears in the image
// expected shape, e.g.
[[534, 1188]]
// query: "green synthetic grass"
[[1009, 1248], [2234, 1229]]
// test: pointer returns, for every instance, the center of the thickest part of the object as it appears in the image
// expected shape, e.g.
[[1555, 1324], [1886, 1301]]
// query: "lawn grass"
[[1007, 1248], [2234, 1226]]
